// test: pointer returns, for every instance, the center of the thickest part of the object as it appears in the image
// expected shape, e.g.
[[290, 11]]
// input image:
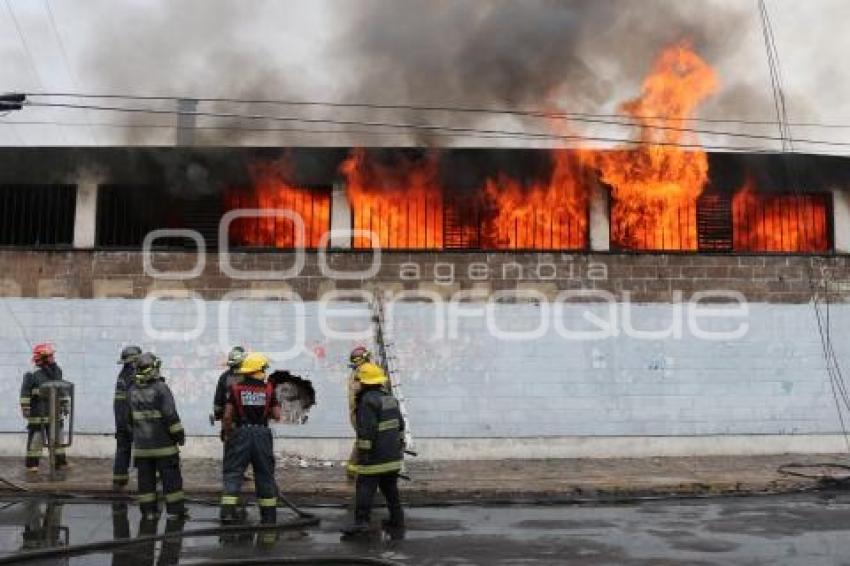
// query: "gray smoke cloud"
[[575, 55]]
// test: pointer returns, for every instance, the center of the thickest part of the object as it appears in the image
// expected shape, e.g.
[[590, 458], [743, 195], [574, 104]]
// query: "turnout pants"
[[36, 442], [249, 444], [367, 485], [172, 484], [123, 450]]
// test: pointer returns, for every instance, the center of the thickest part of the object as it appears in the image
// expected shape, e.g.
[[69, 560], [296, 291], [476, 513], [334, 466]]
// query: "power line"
[[422, 127], [837, 383], [425, 126], [64, 52], [27, 51], [433, 108], [248, 129]]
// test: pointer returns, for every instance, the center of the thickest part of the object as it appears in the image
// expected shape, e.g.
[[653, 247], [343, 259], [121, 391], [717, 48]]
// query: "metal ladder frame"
[[387, 360]]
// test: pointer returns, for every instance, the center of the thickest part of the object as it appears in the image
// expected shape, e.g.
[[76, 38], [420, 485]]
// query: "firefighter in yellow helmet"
[[251, 402], [360, 362], [379, 447]]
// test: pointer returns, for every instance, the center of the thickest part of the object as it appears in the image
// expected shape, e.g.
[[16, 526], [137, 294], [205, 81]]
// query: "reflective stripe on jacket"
[[380, 429], [30, 392], [153, 419]]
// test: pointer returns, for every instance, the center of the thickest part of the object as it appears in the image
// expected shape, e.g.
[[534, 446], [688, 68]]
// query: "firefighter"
[[230, 376], [157, 432], [123, 439], [250, 404], [380, 448], [359, 361], [34, 409]]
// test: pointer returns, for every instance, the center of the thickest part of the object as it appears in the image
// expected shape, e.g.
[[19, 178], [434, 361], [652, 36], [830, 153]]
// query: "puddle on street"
[[788, 529]]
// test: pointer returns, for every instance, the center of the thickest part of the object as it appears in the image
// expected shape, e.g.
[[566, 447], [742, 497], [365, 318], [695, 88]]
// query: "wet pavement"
[[810, 529]]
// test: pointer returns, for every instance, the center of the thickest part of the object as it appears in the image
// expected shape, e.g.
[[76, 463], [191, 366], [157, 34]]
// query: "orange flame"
[[400, 203], [271, 190], [655, 186], [548, 215], [779, 223]]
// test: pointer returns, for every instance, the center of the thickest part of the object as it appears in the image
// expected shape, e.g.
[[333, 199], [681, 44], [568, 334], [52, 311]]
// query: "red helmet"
[[43, 353], [358, 356]]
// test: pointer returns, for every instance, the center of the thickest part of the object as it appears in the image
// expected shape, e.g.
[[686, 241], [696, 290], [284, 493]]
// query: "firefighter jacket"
[[32, 405], [119, 405], [154, 421], [253, 401], [380, 429], [225, 382]]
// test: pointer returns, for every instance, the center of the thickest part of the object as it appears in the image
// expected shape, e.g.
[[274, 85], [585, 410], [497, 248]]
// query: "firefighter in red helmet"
[[34, 409]]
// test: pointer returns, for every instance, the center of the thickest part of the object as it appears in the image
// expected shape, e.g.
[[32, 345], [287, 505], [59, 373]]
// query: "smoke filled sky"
[[576, 56]]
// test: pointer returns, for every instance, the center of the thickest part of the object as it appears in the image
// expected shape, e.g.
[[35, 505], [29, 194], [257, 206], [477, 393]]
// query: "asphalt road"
[[806, 529]]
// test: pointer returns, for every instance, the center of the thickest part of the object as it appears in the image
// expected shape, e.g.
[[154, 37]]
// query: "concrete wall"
[[471, 393]]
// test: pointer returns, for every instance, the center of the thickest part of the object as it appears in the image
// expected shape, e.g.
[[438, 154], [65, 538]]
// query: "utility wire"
[[507, 136], [434, 108], [423, 127], [66, 60], [838, 385], [619, 120], [27, 52]]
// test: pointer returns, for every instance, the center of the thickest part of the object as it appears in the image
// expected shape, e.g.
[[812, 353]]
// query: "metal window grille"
[[399, 223], [671, 229], [465, 223], [37, 215], [714, 222], [782, 223], [128, 213], [311, 203], [743, 222]]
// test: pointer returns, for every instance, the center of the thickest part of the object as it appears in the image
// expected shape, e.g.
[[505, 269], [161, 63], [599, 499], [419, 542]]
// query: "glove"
[[180, 438], [26, 412]]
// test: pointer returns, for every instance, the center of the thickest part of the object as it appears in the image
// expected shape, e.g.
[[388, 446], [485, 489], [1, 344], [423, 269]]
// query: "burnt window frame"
[[22, 227]]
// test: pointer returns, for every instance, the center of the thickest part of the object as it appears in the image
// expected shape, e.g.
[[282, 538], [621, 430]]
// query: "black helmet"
[[147, 367], [130, 355], [236, 356]]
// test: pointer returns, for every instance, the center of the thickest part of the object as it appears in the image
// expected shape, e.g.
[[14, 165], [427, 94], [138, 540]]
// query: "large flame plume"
[[655, 186]]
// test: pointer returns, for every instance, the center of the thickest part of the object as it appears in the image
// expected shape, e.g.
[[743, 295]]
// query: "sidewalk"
[[476, 481]]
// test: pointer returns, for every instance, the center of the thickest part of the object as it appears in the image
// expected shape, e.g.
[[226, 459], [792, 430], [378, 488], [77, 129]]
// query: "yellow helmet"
[[370, 374], [254, 362]]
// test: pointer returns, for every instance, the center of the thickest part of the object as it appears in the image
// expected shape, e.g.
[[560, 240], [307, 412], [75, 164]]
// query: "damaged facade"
[[532, 320]]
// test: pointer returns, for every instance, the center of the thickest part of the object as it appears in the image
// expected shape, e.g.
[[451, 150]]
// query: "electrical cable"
[[436, 127], [28, 52], [642, 123], [432, 108], [837, 383], [249, 129], [392, 125], [100, 546], [65, 59]]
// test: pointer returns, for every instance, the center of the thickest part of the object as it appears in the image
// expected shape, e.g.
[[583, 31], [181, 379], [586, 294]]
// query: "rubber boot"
[[360, 526]]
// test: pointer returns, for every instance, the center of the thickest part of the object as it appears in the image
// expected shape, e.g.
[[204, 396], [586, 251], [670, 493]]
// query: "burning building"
[[587, 259]]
